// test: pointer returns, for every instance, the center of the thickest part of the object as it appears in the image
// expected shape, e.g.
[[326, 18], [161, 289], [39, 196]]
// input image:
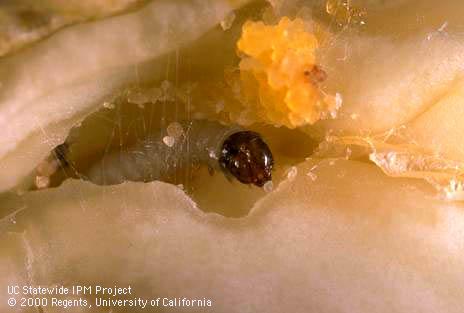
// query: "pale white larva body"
[[161, 155]]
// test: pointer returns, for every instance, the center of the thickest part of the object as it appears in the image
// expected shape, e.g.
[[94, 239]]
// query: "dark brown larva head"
[[247, 157]]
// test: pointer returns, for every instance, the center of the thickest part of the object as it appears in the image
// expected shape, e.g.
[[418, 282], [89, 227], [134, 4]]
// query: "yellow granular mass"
[[279, 76]]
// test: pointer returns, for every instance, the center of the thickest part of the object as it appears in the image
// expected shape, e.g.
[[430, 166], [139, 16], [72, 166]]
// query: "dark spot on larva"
[[316, 74], [60, 152], [247, 157]]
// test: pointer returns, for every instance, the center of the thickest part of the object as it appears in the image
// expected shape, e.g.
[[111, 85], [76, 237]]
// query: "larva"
[[237, 152]]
